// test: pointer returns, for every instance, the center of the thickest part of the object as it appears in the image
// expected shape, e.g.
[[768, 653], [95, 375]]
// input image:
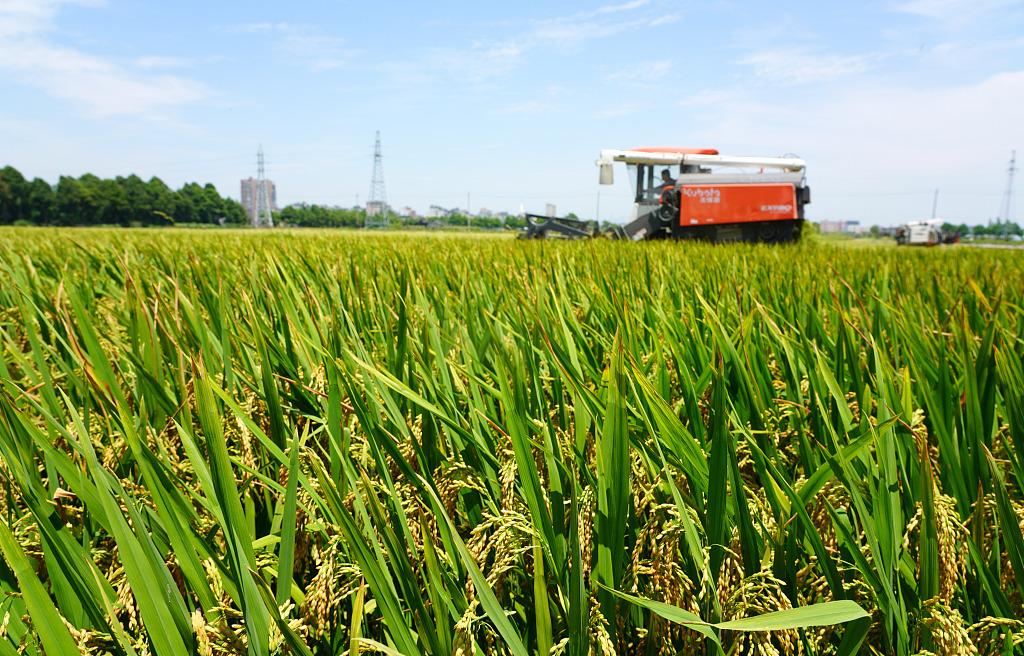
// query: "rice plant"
[[320, 443]]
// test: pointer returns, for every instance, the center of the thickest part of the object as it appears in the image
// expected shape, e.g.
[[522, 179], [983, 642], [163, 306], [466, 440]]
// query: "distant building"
[[436, 211], [375, 207], [549, 210], [840, 226], [250, 189]]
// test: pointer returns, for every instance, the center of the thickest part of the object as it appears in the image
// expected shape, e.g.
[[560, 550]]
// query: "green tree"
[[93, 203], [69, 201], [90, 200], [116, 208], [234, 213], [187, 209], [13, 195], [42, 203], [162, 200], [139, 200]]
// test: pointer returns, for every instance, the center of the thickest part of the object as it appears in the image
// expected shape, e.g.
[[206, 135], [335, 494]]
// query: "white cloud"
[[712, 98], [938, 129], [951, 9], [156, 61], [487, 58], [319, 51], [802, 65], [876, 139], [98, 86], [482, 61], [256, 28], [626, 6], [666, 19], [21, 17], [572, 32], [617, 112], [304, 43], [530, 109], [650, 71]]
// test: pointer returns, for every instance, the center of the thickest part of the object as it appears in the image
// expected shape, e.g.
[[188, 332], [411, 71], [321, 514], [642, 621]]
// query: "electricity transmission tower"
[[262, 217], [377, 212], [1009, 188]]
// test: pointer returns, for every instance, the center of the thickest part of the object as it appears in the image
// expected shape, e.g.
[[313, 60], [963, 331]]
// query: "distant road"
[[1011, 247]]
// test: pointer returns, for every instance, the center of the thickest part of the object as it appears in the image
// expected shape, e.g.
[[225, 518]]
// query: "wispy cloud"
[[951, 9], [100, 87], [482, 61], [570, 32], [26, 17], [491, 57], [617, 112], [875, 136], [255, 28], [303, 43], [155, 62], [665, 19], [804, 65], [651, 71], [626, 6], [531, 109]]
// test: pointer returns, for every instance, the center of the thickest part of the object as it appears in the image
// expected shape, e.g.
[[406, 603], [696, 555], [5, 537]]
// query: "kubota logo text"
[[705, 194]]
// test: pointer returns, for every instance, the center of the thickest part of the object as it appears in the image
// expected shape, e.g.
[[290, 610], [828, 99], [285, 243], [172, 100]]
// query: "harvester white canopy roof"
[[641, 157]]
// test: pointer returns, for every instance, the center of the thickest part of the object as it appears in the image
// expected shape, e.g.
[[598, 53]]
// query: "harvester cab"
[[695, 193]]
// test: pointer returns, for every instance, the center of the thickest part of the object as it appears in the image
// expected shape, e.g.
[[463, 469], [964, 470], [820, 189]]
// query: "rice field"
[[229, 442]]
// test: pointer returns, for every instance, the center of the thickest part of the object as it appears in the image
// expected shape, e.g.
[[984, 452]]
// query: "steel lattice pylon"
[[262, 217], [377, 211], [1008, 196]]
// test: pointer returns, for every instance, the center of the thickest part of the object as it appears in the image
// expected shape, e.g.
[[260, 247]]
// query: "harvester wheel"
[[669, 208], [766, 232]]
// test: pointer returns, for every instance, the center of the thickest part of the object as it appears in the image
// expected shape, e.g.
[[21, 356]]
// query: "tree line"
[[303, 215], [998, 229], [130, 201], [89, 200]]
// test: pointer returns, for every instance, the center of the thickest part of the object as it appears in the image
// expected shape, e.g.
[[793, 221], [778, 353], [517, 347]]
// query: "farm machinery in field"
[[695, 193], [924, 233]]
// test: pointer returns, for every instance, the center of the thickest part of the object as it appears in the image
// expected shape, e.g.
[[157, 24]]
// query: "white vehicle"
[[920, 233]]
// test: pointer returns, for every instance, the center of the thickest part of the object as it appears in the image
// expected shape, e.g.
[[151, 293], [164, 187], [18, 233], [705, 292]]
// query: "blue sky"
[[511, 103]]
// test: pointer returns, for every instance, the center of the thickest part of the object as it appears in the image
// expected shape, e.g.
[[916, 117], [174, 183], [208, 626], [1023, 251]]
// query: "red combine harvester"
[[695, 193]]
